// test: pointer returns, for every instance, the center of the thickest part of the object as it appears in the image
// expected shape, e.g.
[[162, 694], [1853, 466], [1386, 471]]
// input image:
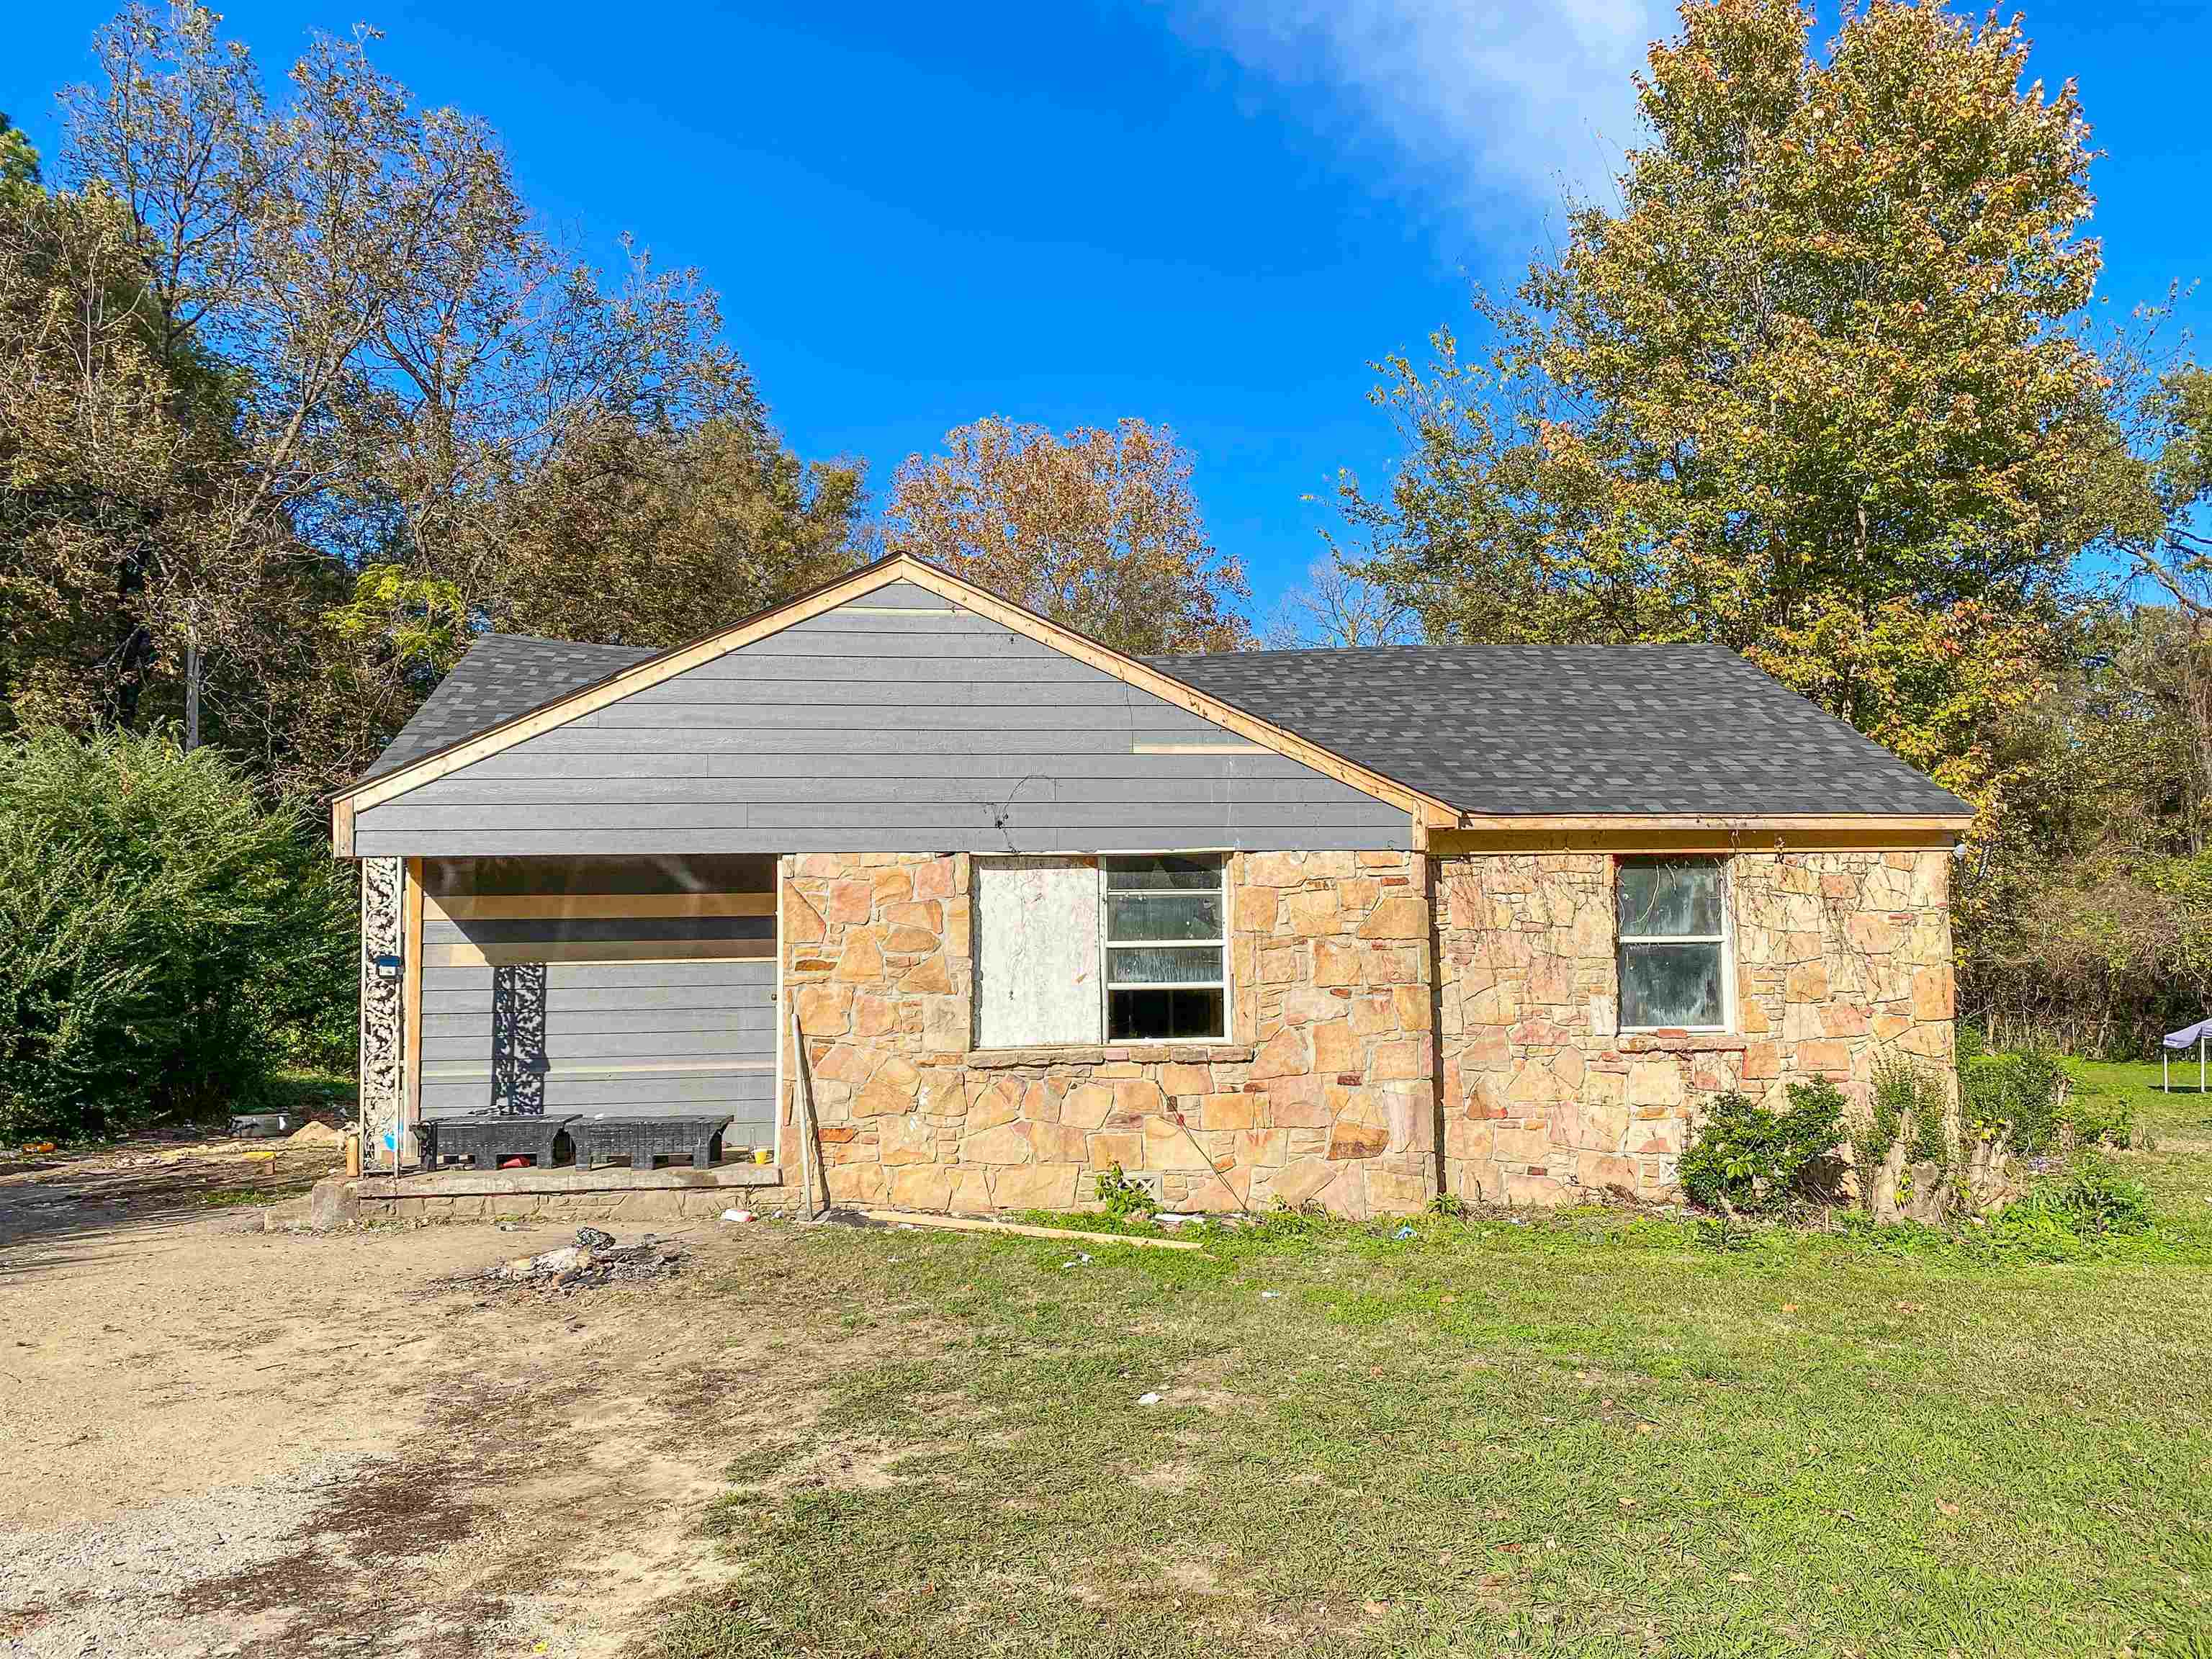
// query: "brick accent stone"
[[1839, 957], [1324, 1092]]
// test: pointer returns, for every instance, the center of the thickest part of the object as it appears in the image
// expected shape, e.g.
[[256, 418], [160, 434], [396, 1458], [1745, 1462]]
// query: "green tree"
[[1826, 356], [2175, 411], [165, 936], [19, 161], [264, 342], [643, 535]]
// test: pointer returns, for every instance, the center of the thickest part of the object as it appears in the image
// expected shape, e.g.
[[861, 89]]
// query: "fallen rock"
[[333, 1202]]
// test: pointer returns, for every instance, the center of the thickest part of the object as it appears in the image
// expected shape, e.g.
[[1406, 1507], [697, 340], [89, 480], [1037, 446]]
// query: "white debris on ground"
[[595, 1259]]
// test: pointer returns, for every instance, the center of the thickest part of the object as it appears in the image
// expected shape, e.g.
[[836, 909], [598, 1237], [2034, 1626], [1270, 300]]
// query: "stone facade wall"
[[1325, 1090], [1839, 957], [371, 1204]]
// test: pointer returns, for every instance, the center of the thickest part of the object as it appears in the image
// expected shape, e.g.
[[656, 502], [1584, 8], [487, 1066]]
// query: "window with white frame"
[[1167, 949], [1674, 945], [1123, 948]]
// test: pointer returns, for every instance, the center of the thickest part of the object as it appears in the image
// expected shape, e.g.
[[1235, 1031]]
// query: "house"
[[1354, 927]]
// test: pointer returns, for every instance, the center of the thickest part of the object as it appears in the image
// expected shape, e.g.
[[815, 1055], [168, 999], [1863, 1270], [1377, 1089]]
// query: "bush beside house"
[[166, 938]]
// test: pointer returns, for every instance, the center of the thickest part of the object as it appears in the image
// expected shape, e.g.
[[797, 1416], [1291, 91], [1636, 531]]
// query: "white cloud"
[[1479, 101]]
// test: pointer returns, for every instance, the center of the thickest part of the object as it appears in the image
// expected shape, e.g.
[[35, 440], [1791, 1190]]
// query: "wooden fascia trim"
[[411, 958], [1627, 834], [1954, 822], [606, 907]]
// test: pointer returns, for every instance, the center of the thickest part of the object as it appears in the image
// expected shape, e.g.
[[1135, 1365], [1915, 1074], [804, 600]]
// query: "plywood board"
[[1036, 930]]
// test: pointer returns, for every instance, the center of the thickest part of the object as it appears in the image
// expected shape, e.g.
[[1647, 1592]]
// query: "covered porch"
[[627, 1003]]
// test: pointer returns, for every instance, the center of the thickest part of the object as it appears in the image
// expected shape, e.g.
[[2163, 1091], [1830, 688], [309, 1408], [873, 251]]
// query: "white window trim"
[[1106, 948], [1725, 938]]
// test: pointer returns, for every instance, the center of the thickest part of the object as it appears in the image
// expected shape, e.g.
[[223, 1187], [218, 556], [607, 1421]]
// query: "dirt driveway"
[[225, 1441]]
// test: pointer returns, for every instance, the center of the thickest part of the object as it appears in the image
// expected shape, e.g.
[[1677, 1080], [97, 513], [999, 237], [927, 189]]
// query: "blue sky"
[[1208, 213]]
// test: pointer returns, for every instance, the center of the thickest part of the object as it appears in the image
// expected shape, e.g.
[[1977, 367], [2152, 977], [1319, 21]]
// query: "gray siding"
[[635, 1039], [872, 728]]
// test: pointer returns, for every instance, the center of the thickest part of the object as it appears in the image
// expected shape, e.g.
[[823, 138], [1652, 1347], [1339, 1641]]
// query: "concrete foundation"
[[607, 1194]]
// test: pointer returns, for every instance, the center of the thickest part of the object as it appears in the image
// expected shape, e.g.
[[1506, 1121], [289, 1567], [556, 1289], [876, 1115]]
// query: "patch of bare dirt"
[[231, 1441]]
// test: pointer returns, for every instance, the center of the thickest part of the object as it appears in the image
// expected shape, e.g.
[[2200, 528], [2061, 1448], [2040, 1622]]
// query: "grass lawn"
[[1583, 1435]]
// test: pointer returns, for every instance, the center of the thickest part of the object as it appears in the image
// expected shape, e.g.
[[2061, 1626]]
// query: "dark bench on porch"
[[485, 1138], [639, 1141]]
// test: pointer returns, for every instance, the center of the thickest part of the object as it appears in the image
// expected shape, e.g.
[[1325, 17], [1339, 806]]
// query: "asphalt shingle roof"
[[1689, 729], [501, 676], [1493, 729]]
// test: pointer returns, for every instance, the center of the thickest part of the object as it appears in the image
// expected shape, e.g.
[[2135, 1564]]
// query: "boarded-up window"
[[1036, 951]]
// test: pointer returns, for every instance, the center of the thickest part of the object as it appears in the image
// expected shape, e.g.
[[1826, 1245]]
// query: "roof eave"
[[1661, 833]]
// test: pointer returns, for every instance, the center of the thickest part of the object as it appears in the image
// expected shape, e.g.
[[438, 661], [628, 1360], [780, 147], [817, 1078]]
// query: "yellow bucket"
[[762, 1155]]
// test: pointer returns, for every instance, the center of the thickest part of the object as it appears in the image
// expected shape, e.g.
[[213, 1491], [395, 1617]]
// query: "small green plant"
[[1124, 1199], [1909, 1102], [1281, 1223], [1747, 1157], [1723, 1233], [2098, 1200]]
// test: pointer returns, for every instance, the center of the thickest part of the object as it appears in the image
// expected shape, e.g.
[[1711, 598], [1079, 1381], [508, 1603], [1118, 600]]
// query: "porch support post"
[[383, 1076]]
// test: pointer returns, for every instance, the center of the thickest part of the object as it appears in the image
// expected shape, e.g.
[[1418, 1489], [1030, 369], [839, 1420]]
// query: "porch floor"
[[611, 1178]]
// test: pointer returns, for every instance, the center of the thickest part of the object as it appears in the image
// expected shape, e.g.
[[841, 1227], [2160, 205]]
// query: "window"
[[1118, 950], [1166, 950], [1674, 945]]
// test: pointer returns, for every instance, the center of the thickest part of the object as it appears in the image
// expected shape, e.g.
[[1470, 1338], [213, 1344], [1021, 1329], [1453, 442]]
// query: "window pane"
[[1163, 1016], [1667, 898], [1170, 965], [1670, 984], [1164, 916], [1162, 875]]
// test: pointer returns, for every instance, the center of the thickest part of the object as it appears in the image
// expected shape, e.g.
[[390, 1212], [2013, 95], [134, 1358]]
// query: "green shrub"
[[165, 939], [2027, 1096], [1748, 1158], [2098, 1201], [2073, 1215], [2099, 1120], [1122, 1198], [1908, 1101]]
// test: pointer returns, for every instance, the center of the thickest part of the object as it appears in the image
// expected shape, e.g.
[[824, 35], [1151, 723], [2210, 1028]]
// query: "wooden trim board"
[[972, 1224], [472, 1072], [1871, 835], [411, 964], [1714, 821], [614, 907], [897, 568], [599, 950]]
